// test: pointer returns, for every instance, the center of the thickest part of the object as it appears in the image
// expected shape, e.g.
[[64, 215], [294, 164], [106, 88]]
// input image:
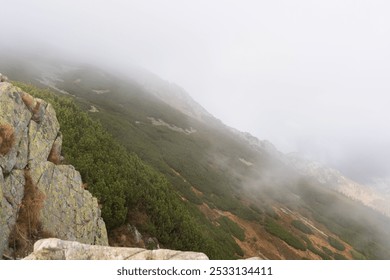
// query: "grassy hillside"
[[124, 184], [185, 183], [209, 161], [204, 158]]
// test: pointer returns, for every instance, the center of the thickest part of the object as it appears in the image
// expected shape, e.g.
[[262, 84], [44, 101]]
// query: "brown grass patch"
[[7, 138], [29, 101], [124, 237], [137, 218], [55, 155], [196, 191], [28, 228]]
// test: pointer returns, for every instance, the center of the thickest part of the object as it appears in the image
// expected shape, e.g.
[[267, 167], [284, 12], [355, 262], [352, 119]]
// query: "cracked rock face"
[[28, 130], [55, 249]]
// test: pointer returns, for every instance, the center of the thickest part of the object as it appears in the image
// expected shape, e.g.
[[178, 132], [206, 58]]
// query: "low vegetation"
[[353, 223], [314, 250], [336, 244], [327, 251], [279, 231], [298, 224], [230, 226], [28, 228], [338, 256]]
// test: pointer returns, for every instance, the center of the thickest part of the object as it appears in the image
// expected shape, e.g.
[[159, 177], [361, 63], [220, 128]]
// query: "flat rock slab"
[[56, 249]]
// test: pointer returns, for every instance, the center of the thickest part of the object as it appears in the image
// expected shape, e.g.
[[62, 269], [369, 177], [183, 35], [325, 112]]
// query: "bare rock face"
[[14, 122], [11, 194], [55, 249], [29, 133]]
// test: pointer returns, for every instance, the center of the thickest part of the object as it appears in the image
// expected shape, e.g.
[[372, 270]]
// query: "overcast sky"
[[310, 76]]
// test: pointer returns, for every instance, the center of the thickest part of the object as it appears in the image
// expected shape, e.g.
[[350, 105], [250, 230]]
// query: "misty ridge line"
[[321, 95], [51, 75]]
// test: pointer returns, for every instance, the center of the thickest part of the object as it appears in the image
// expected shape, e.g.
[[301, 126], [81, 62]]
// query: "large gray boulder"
[[14, 118], [56, 249], [67, 203], [29, 131]]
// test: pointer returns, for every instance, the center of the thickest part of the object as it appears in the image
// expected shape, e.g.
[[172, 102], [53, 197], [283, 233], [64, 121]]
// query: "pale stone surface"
[[56, 249], [69, 212], [42, 135]]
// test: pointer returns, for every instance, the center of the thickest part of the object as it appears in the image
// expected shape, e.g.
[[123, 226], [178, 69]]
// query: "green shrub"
[[232, 227], [314, 250], [279, 231], [336, 244], [301, 226], [327, 251], [337, 256]]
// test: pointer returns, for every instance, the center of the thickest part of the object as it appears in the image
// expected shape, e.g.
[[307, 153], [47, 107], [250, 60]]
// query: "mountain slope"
[[227, 180], [124, 185]]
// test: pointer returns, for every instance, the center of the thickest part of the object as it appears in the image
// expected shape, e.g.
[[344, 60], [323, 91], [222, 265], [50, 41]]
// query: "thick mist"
[[311, 77]]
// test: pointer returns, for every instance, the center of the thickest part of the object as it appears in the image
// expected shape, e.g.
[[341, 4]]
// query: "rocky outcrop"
[[30, 144], [55, 249]]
